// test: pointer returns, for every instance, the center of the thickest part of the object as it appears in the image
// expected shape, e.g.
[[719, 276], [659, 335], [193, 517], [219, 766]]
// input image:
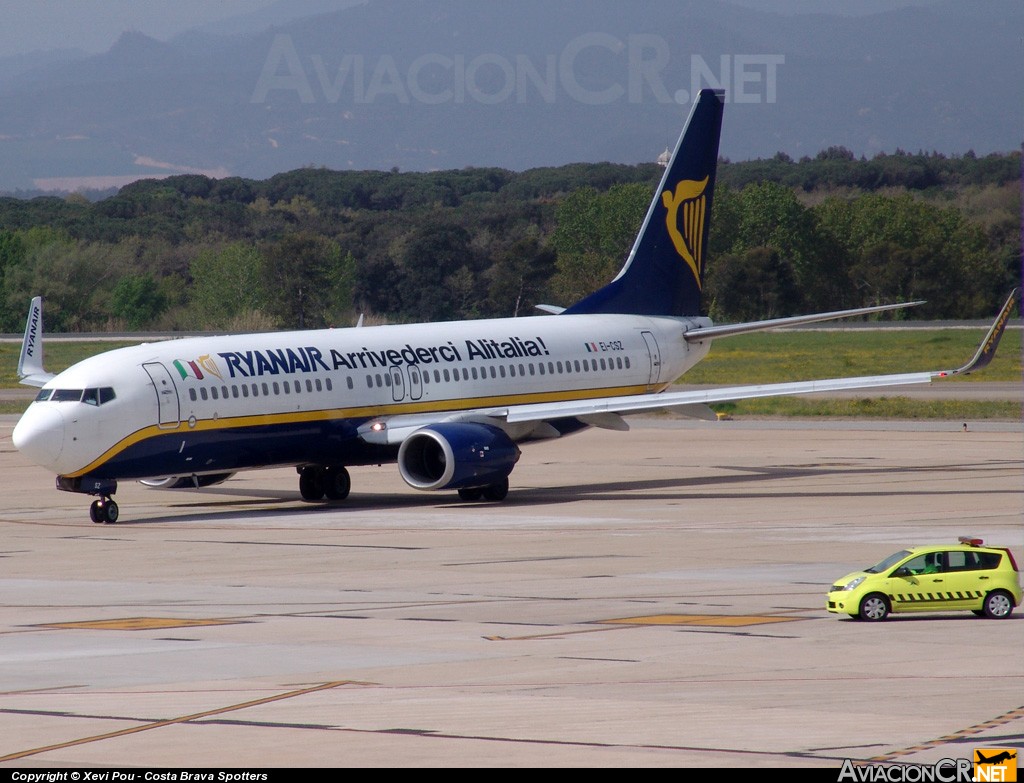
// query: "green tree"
[[300, 269], [226, 283], [138, 300], [594, 234], [431, 286]]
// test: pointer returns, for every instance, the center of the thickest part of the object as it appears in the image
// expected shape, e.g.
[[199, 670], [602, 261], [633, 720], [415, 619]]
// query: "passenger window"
[[213, 392], [957, 561], [627, 362], [327, 384], [234, 392], [309, 385], [512, 370], [318, 386], [988, 560], [540, 366], [202, 393], [277, 389], [348, 380], [255, 390], [245, 391], [224, 392], [192, 395], [447, 377], [501, 370], [576, 362]]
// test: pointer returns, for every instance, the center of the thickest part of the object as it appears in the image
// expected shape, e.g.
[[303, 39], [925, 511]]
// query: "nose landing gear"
[[104, 511]]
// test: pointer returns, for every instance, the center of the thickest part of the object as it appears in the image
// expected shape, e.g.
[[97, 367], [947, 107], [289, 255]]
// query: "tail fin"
[[664, 272]]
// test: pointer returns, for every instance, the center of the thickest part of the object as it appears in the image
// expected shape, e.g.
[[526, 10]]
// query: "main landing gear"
[[319, 481], [104, 511], [494, 492]]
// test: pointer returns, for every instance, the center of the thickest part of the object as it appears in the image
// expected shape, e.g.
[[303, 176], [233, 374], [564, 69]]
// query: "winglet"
[[988, 346], [30, 364]]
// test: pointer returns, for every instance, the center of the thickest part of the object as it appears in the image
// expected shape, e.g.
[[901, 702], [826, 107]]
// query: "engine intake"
[[456, 455]]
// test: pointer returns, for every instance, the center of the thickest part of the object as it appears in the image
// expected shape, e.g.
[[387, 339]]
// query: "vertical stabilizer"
[[664, 273]]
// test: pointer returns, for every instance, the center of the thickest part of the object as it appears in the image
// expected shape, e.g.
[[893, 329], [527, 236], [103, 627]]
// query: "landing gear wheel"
[[874, 607], [998, 605], [104, 511], [471, 493], [496, 491], [336, 482], [311, 483]]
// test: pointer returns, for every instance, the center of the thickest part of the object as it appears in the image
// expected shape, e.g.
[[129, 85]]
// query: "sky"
[[94, 25]]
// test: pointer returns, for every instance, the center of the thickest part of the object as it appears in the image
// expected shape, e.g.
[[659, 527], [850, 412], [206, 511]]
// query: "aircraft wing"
[[694, 402], [607, 412]]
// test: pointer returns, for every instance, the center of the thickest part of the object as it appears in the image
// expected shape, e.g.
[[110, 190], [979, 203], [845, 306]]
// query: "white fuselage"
[[219, 404]]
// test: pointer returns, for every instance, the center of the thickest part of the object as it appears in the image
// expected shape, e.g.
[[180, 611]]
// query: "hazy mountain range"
[[437, 84]]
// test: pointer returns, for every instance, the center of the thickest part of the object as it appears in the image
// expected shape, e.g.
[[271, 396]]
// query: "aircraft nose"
[[39, 435]]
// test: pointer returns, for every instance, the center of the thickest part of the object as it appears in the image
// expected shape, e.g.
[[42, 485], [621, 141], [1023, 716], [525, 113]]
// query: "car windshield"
[[888, 563]]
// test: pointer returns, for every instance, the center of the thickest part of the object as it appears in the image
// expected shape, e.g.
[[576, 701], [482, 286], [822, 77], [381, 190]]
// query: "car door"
[[970, 576], [918, 584]]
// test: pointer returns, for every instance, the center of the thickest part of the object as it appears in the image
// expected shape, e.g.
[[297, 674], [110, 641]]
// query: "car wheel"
[[874, 607], [998, 604]]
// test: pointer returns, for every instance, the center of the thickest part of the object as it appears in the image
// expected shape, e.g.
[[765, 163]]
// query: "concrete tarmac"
[[643, 599]]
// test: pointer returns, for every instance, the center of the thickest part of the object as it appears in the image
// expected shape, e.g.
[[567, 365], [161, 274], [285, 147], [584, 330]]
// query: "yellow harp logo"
[[685, 221]]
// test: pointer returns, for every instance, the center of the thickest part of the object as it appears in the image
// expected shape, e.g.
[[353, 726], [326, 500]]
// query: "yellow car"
[[968, 575]]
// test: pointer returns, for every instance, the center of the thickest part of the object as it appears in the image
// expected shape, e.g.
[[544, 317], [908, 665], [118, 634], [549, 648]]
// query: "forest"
[[315, 247]]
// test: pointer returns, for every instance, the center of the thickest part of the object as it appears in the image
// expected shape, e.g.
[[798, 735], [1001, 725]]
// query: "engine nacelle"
[[456, 455]]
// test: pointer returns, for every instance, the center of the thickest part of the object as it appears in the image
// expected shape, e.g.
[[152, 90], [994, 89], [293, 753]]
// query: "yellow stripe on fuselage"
[[366, 411]]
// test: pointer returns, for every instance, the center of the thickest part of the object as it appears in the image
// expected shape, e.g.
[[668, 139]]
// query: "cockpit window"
[[97, 396], [66, 395]]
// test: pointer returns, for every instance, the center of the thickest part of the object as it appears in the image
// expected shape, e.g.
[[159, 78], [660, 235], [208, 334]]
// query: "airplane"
[[996, 759], [449, 403]]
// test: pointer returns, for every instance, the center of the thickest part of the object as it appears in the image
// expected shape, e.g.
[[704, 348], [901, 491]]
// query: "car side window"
[[988, 560], [928, 563], [960, 561]]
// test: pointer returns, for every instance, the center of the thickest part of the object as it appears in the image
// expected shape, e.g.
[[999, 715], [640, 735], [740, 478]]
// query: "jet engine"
[[456, 455]]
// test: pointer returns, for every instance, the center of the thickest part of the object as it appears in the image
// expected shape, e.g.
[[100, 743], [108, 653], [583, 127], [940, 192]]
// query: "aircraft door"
[[415, 381], [168, 411], [654, 354], [397, 383]]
